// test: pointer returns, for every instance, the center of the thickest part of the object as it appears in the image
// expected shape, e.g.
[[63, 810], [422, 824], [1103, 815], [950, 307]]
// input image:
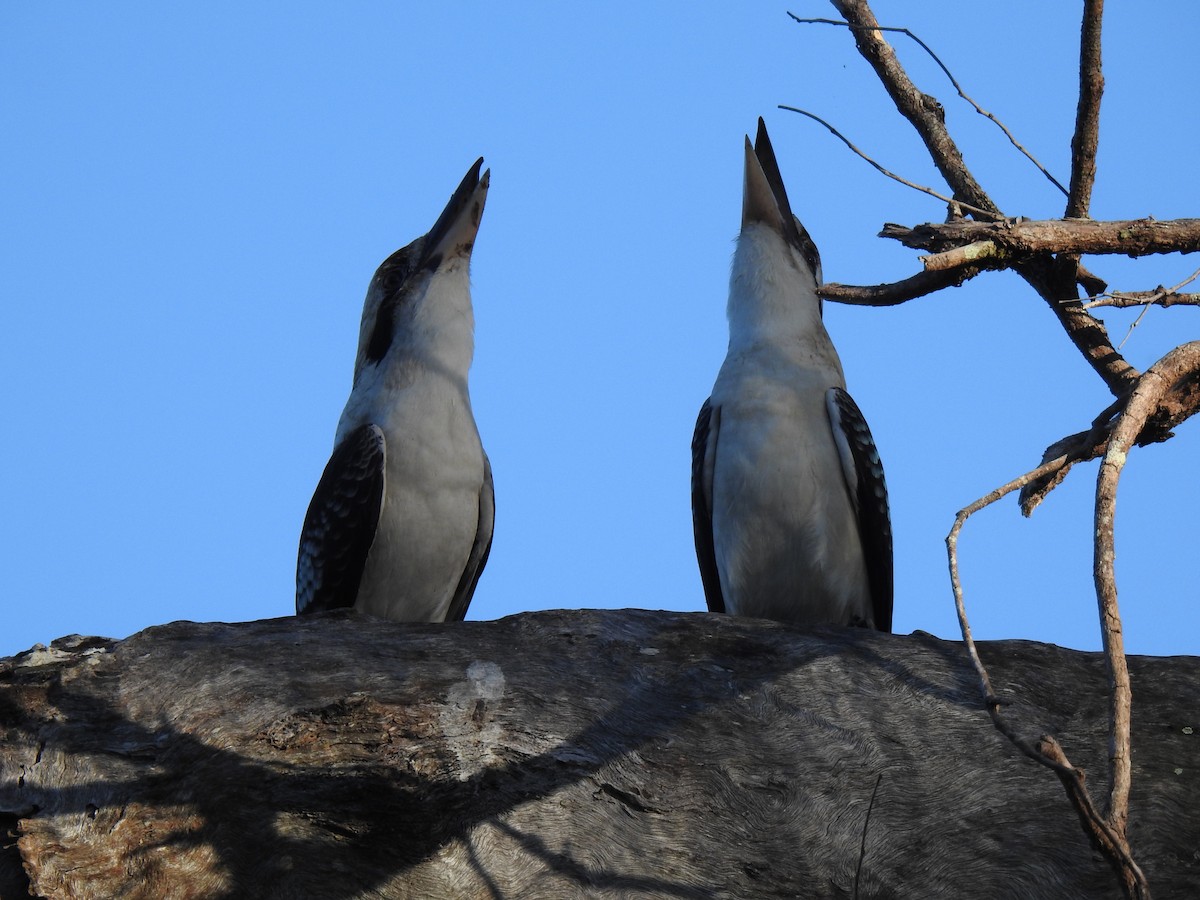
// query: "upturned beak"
[[453, 234], [764, 198]]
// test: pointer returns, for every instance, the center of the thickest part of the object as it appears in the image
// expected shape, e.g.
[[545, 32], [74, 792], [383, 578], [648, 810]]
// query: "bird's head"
[[767, 214], [422, 286]]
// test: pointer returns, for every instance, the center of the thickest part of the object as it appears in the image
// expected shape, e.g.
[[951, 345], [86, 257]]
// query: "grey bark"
[[572, 754]]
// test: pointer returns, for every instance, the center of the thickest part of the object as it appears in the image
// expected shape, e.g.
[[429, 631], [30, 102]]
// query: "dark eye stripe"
[[808, 249], [381, 334], [391, 276]]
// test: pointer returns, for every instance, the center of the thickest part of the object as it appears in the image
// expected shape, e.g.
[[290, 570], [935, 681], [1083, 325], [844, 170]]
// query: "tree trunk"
[[571, 754]]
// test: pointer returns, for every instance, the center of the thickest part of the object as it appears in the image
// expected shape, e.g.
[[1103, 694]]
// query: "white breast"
[[785, 534]]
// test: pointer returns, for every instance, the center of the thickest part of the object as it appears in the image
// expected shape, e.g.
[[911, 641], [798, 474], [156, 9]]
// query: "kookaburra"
[[788, 499], [400, 524]]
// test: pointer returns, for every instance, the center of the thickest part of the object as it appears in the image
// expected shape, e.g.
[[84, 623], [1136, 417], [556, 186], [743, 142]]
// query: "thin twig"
[[1047, 752], [957, 87], [923, 112], [1160, 296], [1153, 300], [862, 849], [1136, 323], [1126, 299], [888, 172]]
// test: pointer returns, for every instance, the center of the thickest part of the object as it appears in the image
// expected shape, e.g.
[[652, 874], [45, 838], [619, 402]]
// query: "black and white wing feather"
[[704, 452], [479, 550], [863, 471], [340, 525]]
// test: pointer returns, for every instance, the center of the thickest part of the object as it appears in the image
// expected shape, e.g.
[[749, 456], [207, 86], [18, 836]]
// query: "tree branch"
[[1160, 296], [1047, 752], [1054, 283], [954, 82], [895, 293], [888, 172], [1134, 237], [1087, 114], [1181, 363], [922, 110]]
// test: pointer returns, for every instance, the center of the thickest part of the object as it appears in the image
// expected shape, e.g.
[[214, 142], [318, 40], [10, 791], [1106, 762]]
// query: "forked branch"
[[1054, 281]]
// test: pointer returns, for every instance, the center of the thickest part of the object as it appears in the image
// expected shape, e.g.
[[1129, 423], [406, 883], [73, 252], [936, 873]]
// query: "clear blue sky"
[[196, 195]]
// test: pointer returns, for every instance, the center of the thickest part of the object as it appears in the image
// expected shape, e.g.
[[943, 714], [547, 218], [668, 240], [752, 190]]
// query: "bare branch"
[[1087, 114], [1180, 403], [957, 87], [1136, 237], [1136, 323], [970, 254], [922, 110], [1046, 468], [1053, 281], [1047, 752], [890, 174], [1089, 281], [1180, 364], [1160, 296], [897, 292]]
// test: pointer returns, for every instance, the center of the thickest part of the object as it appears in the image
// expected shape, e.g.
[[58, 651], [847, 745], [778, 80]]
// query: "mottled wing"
[[868, 492], [479, 550], [704, 445], [341, 522]]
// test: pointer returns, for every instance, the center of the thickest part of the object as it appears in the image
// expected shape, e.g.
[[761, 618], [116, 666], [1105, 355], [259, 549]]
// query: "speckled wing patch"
[[868, 492], [341, 522]]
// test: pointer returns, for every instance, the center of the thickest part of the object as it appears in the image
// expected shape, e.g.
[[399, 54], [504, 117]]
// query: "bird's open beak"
[[453, 234], [764, 198]]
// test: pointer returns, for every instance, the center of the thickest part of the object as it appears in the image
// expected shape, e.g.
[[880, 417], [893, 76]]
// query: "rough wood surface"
[[571, 754], [1135, 237]]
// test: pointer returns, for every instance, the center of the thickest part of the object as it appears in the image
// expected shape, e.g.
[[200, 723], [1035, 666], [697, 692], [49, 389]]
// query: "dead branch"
[[1160, 296], [881, 169], [968, 255], [1012, 138], [1087, 114], [1055, 283], [1179, 403], [1177, 374], [1018, 239], [897, 292], [1047, 751], [922, 110], [1146, 309], [1181, 363]]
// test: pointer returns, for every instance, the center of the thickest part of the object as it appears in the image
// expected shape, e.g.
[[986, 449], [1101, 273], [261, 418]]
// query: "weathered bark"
[[1134, 237], [564, 754]]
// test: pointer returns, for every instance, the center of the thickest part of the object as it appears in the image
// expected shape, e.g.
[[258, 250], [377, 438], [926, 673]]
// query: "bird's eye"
[[809, 250]]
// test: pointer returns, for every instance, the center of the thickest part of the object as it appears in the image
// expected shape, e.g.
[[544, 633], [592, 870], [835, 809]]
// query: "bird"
[[400, 524], [789, 503]]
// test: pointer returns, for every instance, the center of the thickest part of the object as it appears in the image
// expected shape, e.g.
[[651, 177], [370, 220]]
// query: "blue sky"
[[196, 195]]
